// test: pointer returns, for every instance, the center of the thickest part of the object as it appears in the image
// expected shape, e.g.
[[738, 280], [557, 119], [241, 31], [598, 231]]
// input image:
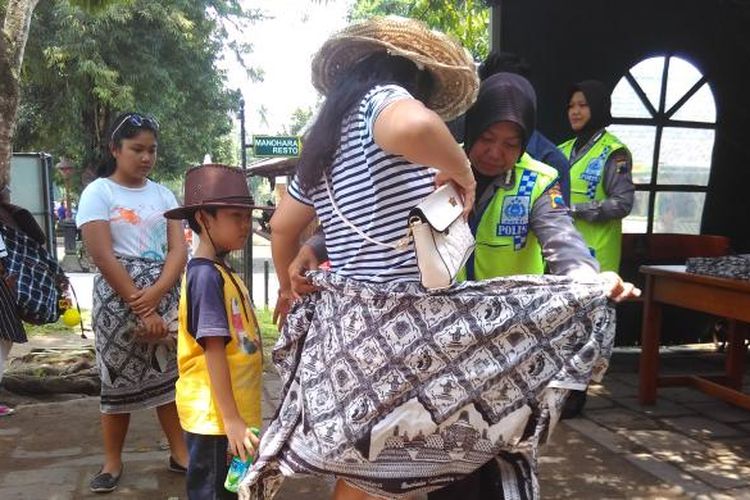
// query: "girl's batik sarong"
[[135, 375]]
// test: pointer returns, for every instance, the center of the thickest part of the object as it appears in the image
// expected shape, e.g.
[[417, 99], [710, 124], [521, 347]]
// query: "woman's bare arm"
[[407, 128], [98, 240]]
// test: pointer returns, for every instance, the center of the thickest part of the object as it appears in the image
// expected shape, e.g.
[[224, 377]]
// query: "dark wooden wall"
[[568, 41]]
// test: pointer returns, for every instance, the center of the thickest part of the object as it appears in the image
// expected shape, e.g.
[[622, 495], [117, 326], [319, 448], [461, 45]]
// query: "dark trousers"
[[208, 467], [484, 483], [488, 483]]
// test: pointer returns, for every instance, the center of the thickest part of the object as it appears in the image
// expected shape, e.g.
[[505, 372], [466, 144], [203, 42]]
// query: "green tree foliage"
[[466, 20], [299, 120], [84, 66]]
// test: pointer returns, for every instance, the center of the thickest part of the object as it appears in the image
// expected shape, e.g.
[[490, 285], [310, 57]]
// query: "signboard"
[[31, 188], [276, 145]]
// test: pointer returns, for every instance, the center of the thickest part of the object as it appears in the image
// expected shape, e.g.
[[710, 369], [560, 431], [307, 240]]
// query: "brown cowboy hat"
[[214, 185], [451, 65]]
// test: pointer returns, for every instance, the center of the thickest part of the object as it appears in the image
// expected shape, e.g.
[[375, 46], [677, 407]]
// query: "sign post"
[[276, 145]]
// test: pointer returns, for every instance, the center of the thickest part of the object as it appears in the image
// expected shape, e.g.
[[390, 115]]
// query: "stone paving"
[[686, 446]]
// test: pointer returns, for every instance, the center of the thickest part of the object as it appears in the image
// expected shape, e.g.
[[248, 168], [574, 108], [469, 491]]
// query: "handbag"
[[442, 239], [37, 280]]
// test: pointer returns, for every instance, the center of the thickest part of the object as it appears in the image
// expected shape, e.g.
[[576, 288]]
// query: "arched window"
[[664, 111]]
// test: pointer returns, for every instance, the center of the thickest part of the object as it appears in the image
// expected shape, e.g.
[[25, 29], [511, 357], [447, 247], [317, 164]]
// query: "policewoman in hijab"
[[601, 181], [520, 224]]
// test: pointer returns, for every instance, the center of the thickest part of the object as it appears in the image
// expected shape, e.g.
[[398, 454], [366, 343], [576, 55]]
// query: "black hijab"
[[502, 97], [599, 101]]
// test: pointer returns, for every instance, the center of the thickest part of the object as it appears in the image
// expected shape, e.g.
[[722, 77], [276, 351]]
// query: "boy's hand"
[[146, 300], [242, 441]]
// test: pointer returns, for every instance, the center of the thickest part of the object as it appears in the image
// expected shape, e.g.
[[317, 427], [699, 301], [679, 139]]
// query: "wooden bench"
[[726, 298]]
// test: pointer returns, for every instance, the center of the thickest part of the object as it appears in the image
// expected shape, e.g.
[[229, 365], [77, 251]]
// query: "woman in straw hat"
[[390, 83], [393, 389]]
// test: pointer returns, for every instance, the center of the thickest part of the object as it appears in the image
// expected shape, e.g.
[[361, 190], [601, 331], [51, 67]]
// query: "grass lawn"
[[60, 327], [268, 332]]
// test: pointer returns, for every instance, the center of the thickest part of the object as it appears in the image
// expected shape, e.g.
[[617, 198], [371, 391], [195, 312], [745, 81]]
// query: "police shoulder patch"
[[555, 196]]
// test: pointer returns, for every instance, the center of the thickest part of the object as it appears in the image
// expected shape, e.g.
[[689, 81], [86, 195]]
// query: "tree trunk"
[[12, 44], [96, 118]]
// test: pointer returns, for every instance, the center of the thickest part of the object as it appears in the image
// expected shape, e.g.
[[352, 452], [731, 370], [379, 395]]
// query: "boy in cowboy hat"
[[219, 348]]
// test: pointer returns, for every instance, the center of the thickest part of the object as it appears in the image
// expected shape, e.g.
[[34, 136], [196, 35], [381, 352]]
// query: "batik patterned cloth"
[[135, 374], [399, 391], [732, 266]]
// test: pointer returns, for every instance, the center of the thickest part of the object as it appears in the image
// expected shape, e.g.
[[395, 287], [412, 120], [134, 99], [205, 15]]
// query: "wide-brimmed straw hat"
[[213, 185], [451, 65]]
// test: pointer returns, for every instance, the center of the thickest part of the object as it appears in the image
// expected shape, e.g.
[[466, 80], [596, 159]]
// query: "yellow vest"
[[199, 413], [587, 184], [504, 243]]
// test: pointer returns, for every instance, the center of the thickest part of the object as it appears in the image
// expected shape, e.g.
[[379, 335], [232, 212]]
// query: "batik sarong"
[[735, 267], [135, 374], [400, 391]]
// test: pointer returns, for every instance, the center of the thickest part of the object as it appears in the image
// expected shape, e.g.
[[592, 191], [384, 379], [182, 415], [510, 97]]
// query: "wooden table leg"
[[650, 334], [736, 353]]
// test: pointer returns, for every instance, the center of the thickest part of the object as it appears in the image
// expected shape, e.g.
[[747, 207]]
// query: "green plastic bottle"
[[238, 468]]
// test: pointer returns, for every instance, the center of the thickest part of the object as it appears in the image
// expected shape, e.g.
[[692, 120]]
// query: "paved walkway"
[[687, 446]]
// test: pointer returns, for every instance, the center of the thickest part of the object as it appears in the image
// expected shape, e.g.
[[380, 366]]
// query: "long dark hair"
[[121, 128], [324, 136]]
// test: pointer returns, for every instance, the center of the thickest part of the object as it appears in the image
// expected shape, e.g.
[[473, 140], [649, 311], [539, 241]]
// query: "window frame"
[[660, 119]]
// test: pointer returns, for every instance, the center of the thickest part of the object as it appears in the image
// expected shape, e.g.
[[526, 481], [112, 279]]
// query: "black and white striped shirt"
[[375, 191]]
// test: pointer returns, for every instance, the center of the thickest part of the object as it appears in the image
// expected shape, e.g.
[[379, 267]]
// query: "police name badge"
[[514, 220]]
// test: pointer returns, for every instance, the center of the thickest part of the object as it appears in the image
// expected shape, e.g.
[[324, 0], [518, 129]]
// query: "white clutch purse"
[[442, 238]]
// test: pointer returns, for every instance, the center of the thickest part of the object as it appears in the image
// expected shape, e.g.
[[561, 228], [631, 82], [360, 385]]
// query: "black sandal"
[[104, 482], [174, 466]]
